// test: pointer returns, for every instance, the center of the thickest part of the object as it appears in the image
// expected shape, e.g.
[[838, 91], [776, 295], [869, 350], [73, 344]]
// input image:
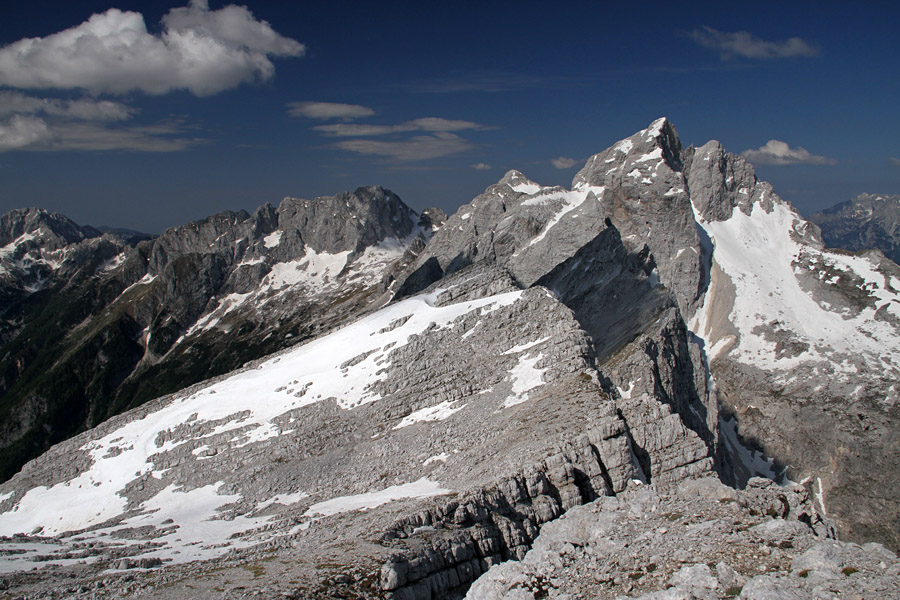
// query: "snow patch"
[[423, 488], [273, 239], [126, 453], [570, 201], [522, 347], [624, 146], [769, 292], [525, 377], [526, 188], [438, 412], [655, 154], [442, 457]]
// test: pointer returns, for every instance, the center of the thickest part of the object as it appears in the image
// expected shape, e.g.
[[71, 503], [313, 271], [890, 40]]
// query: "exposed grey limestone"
[[514, 461], [671, 415], [699, 540], [646, 197]]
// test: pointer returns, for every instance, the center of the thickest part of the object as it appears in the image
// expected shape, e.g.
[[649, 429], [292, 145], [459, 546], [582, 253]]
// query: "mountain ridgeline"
[[443, 387], [94, 324]]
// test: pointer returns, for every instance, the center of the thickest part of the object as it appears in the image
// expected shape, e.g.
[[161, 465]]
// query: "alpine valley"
[[659, 383]]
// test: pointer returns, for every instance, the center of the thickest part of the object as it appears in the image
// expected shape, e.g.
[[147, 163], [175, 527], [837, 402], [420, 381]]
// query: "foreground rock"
[[702, 540]]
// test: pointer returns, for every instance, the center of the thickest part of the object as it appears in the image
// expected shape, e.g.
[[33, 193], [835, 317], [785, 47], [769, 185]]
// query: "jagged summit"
[[51, 229], [518, 182]]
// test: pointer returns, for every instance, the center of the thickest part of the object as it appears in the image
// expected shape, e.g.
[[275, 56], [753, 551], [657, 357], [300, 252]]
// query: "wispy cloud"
[[421, 147], [894, 161], [747, 45], [424, 124], [481, 167], [86, 109], [780, 153], [564, 163], [329, 110], [36, 134], [202, 51]]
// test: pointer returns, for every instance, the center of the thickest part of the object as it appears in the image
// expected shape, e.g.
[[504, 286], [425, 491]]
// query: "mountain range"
[[416, 395], [866, 222]]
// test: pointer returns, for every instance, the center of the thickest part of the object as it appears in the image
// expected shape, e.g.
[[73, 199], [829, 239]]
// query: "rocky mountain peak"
[[47, 229], [350, 221], [518, 182], [431, 220]]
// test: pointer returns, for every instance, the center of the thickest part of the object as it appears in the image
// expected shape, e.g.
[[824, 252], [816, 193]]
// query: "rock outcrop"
[[702, 540]]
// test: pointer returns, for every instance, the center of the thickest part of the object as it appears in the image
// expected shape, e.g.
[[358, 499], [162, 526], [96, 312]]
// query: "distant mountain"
[[129, 235], [95, 324], [867, 222], [459, 386]]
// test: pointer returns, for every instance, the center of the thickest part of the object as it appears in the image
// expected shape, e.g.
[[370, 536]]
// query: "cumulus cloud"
[[85, 109], [779, 153], [481, 167], [564, 163], [329, 110], [421, 147], [747, 45], [202, 51], [424, 124], [20, 132]]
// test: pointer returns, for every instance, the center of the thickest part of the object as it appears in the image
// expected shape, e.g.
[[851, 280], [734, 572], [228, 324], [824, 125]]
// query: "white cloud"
[[328, 110], [779, 153], [198, 50], [421, 147], [425, 124], [86, 109], [564, 163], [747, 45], [33, 133], [19, 132], [894, 161], [481, 167]]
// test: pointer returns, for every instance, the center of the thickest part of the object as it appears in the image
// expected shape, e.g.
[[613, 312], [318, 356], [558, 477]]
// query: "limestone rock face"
[[700, 540]]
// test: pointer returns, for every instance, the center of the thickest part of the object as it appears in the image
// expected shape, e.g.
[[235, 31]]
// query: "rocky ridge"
[[701, 540], [93, 325]]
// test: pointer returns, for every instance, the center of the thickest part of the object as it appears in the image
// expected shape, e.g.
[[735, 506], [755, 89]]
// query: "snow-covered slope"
[[247, 408], [372, 421], [784, 313]]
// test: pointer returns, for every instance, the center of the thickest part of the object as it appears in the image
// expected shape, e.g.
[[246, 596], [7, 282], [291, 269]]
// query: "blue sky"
[[148, 114]]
